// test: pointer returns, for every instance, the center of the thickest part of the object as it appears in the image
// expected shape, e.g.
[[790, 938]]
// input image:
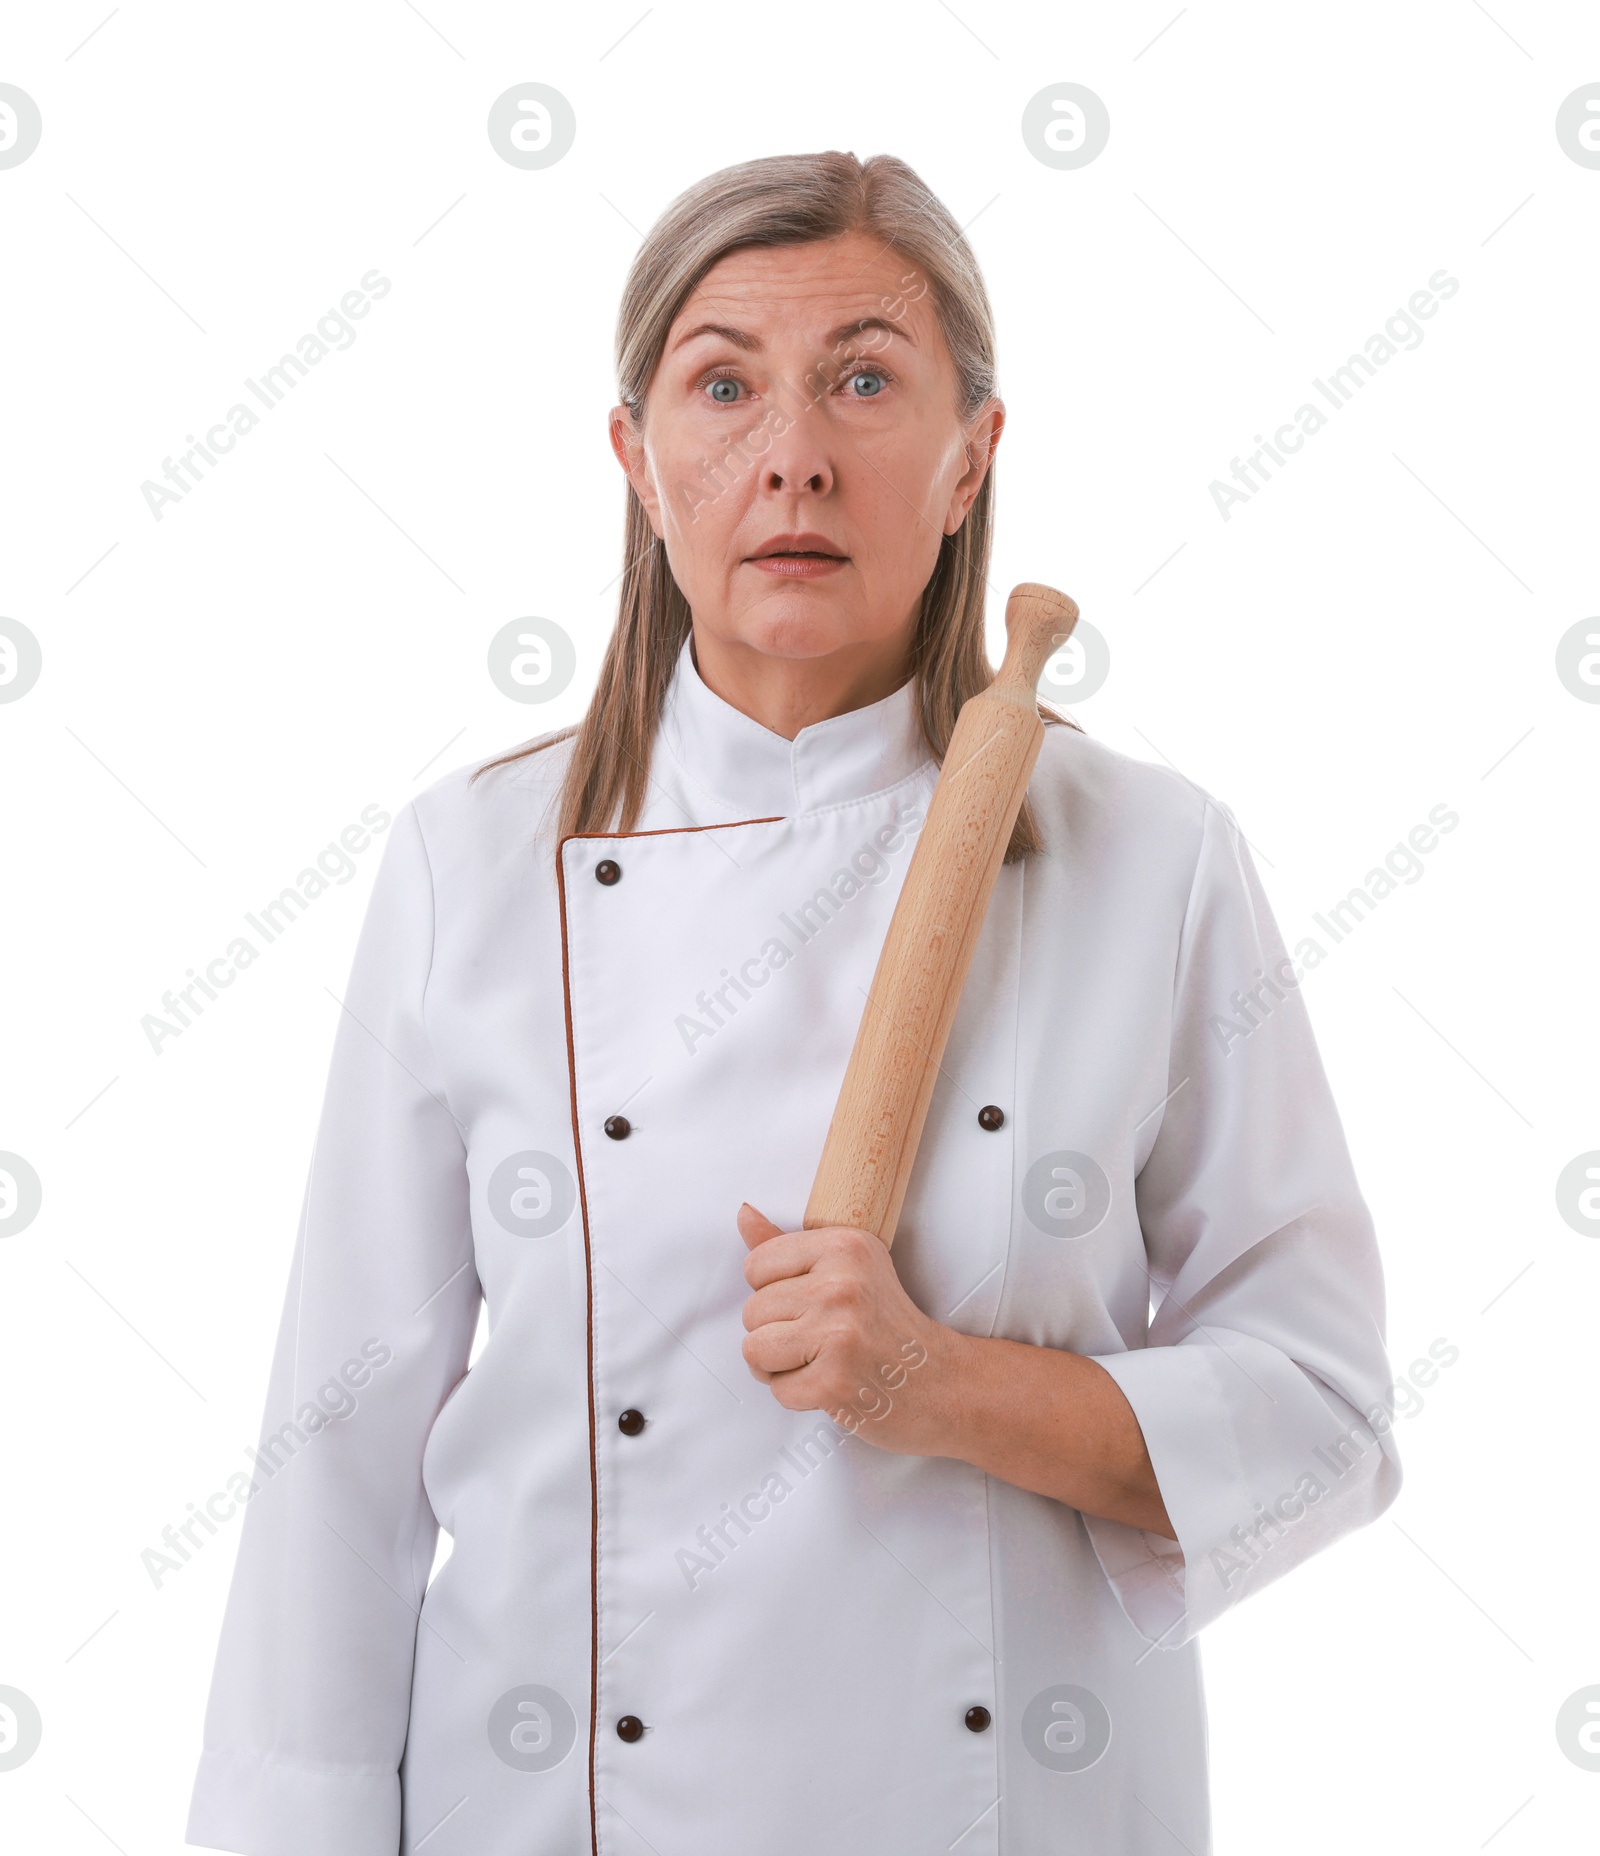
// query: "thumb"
[[755, 1227]]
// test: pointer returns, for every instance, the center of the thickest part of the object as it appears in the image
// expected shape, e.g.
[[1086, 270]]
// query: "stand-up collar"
[[756, 773]]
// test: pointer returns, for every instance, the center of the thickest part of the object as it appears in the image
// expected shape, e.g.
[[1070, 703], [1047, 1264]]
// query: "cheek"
[[918, 457], [700, 486], [903, 496]]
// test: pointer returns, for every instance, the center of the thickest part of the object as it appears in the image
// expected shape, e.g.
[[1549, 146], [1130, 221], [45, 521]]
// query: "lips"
[[806, 545]]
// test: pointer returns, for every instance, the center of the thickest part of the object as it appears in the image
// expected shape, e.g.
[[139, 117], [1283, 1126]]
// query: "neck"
[[786, 694]]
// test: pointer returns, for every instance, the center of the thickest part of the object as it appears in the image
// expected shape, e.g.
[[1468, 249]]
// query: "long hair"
[[781, 200]]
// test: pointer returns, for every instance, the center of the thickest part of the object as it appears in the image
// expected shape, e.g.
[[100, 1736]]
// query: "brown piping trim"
[[667, 831], [588, 1281]]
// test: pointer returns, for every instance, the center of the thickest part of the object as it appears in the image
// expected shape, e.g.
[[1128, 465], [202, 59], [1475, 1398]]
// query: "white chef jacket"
[[792, 1627]]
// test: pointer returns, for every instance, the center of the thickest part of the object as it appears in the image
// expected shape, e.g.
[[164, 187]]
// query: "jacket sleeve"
[[1263, 1388], [310, 1696]]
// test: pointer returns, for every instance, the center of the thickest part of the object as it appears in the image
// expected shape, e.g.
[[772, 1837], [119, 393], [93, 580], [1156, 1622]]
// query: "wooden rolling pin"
[[883, 1101]]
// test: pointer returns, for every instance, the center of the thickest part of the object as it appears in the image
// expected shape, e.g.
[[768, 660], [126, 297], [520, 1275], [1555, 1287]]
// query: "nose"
[[799, 456]]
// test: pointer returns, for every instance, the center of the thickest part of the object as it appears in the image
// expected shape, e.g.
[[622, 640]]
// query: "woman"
[[764, 1540]]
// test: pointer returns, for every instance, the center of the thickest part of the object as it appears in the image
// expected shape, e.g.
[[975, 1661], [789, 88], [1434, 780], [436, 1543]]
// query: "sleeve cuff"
[[260, 1805], [1259, 1467], [1146, 1572]]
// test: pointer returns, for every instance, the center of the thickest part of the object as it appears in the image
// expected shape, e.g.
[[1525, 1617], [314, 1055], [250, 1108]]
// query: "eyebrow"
[[741, 338]]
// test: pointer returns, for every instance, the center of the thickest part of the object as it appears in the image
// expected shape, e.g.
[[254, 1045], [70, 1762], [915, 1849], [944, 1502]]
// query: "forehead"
[[811, 290]]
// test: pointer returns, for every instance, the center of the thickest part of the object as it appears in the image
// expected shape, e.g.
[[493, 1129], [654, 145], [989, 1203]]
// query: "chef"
[[764, 1539]]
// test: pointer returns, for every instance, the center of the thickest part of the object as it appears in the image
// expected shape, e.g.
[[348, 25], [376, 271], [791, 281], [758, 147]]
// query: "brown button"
[[991, 1118], [618, 1127], [630, 1727], [978, 1719], [608, 872], [631, 1422]]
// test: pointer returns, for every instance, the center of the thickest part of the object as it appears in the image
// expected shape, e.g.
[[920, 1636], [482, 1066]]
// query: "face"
[[805, 401]]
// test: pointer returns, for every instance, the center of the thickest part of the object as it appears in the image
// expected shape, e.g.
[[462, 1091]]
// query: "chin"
[[797, 628], [787, 626], [802, 622]]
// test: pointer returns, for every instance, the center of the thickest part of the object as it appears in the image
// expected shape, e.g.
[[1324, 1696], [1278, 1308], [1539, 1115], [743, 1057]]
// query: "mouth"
[[797, 564], [805, 547]]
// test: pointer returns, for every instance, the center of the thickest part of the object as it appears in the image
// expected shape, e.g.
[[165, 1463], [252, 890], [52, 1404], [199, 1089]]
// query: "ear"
[[982, 436], [624, 441], [754, 1227], [628, 446]]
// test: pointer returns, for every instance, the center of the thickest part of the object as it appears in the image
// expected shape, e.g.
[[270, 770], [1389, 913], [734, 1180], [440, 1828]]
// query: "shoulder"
[[1084, 793], [1135, 843], [494, 807]]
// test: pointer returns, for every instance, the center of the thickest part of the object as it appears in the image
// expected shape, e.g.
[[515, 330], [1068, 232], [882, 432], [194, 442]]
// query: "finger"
[[804, 1389], [778, 1347], [784, 1300], [790, 1253], [755, 1227]]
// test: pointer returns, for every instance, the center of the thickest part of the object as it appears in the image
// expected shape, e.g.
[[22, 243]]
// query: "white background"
[[1373, 634]]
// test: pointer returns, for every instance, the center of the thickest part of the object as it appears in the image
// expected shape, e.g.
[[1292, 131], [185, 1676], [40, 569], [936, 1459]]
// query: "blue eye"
[[726, 390]]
